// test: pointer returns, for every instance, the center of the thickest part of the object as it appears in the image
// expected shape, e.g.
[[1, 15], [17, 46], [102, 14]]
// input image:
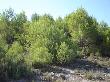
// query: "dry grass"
[[100, 60]]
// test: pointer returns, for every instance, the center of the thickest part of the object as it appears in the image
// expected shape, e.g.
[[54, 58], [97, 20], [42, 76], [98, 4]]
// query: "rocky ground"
[[82, 70]]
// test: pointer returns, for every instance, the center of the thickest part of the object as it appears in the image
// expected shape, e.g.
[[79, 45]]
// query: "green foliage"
[[39, 55], [26, 44], [35, 17], [46, 36], [65, 54], [14, 52], [83, 29], [15, 62]]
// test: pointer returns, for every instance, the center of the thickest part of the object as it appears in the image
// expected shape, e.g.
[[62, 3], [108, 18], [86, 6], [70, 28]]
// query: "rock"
[[57, 75], [52, 74], [37, 71], [72, 72], [63, 77]]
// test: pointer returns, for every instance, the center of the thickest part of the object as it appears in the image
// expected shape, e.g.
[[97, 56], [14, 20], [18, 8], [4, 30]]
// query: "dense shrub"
[[39, 55], [27, 44], [65, 54], [13, 64]]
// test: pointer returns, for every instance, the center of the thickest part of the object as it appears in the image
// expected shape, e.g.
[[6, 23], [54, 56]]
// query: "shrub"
[[38, 55], [65, 54], [14, 63]]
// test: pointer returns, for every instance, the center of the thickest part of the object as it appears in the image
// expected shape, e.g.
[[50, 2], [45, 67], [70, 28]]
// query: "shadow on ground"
[[79, 64]]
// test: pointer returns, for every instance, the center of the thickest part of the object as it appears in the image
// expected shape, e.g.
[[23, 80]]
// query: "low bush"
[[13, 64], [65, 54]]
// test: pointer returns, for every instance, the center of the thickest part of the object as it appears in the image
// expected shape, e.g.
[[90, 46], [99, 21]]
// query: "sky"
[[100, 9]]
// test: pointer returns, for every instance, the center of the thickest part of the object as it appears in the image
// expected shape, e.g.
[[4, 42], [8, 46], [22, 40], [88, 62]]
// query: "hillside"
[[69, 49]]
